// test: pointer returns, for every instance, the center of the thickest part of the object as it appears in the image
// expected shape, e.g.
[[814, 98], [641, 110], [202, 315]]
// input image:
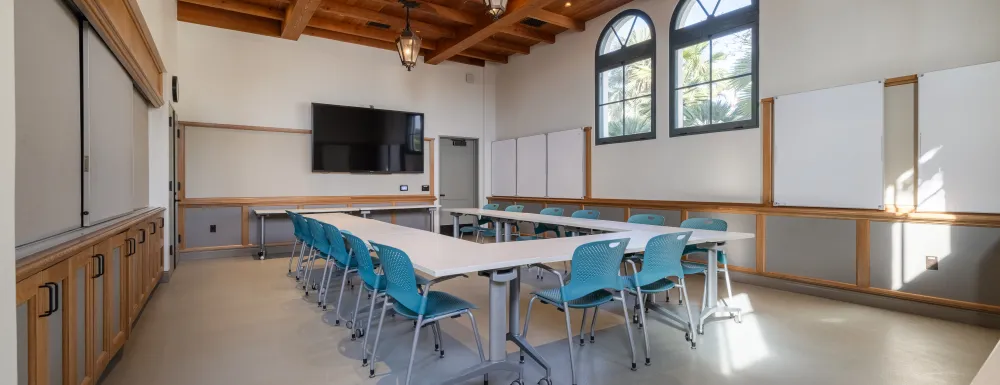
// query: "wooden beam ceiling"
[[397, 23], [559, 20], [517, 10], [241, 7], [297, 17], [437, 10]]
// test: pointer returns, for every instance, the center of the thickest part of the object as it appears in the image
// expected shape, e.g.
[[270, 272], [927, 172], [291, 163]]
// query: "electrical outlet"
[[404, 187], [932, 262], [211, 228], [425, 188]]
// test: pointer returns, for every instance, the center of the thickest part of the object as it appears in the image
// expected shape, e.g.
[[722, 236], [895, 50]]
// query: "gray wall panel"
[[809, 247], [673, 218], [503, 204], [567, 209], [609, 213], [418, 219], [740, 253], [968, 260], [227, 221], [533, 208], [279, 228]]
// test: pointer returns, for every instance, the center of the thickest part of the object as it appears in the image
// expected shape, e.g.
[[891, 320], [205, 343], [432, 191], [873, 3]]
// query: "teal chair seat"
[[597, 298], [695, 249], [421, 281], [438, 303], [693, 268], [659, 286], [471, 229]]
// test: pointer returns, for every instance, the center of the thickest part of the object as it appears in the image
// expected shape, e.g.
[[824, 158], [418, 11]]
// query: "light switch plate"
[[404, 187]]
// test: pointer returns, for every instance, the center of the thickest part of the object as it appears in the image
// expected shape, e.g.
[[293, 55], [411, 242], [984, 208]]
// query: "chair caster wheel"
[[442, 354], [371, 374], [437, 347], [687, 336], [634, 368], [591, 339], [349, 324], [648, 363], [581, 342], [547, 381], [521, 361], [517, 382], [694, 346], [359, 332]]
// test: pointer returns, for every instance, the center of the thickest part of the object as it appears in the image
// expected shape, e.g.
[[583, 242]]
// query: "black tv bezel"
[[312, 141]]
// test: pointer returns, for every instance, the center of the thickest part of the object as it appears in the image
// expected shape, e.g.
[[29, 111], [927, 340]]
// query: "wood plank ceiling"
[[453, 30]]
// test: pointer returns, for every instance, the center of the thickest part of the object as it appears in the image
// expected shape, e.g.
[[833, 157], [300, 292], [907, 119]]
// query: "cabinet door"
[[29, 306], [46, 331], [151, 256], [134, 264], [103, 272], [116, 297], [80, 312]]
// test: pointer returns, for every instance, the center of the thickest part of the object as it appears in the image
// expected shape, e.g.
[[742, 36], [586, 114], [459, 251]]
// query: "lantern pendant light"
[[408, 43], [495, 8]]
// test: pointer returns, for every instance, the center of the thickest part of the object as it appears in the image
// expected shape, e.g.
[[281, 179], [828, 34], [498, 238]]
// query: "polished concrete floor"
[[241, 321]]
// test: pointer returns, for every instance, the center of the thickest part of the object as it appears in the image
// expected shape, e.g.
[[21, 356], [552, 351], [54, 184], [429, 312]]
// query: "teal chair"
[[700, 268], [661, 261], [426, 308], [647, 219], [319, 247], [510, 209], [542, 228], [303, 239], [595, 282], [481, 223], [583, 214], [341, 260]]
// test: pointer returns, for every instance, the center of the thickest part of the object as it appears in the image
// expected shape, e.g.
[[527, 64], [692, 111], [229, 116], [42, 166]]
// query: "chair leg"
[[631, 341], [354, 316], [413, 348], [642, 321], [583, 321], [704, 294], [340, 296], [479, 343], [593, 322], [438, 339], [569, 331], [309, 272], [324, 285], [368, 328], [527, 320], [292, 257], [378, 333], [692, 336]]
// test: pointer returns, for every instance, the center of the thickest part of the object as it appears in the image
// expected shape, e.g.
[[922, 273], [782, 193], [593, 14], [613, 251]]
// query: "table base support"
[[482, 369], [709, 315]]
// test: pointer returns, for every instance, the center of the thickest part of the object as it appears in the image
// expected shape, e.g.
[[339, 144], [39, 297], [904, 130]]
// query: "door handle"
[[100, 265], [143, 232], [131, 247], [154, 227], [53, 298], [443, 195]]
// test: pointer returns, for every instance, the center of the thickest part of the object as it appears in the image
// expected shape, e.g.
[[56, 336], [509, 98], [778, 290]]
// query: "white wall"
[[239, 78], [804, 45], [8, 322]]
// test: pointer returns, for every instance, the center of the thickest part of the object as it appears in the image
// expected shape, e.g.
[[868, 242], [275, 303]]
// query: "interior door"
[[175, 187], [458, 177]]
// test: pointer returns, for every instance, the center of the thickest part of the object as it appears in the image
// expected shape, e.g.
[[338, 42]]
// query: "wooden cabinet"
[[75, 315], [42, 328]]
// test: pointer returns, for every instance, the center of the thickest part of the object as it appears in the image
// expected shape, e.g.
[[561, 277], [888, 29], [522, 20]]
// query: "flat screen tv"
[[366, 140]]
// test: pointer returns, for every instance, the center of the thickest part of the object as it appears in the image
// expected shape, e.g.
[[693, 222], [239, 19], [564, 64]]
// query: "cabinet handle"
[[53, 298], [154, 228], [131, 247], [143, 232], [163, 222], [100, 265]]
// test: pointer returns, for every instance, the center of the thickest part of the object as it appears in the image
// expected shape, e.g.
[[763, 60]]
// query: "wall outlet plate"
[[211, 228], [425, 188], [932, 262], [404, 187]]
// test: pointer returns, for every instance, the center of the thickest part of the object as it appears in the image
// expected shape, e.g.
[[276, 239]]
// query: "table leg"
[[506, 231], [434, 218], [454, 221], [263, 250], [712, 294], [496, 228]]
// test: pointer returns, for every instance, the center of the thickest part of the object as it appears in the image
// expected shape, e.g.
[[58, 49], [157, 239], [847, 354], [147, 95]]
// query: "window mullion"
[[711, 85]]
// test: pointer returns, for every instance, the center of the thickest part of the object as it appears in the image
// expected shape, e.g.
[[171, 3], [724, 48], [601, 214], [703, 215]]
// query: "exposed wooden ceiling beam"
[[493, 57], [241, 7], [530, 33], [559, 20], [214, 17], [505, 46], [353, 39], [368, 32], [439, 11], [397, 23], [517, 10], [297, 17]]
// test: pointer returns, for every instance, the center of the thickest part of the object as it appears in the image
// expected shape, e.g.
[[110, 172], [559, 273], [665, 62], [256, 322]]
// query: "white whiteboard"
[[566, 164], [959, 133], [531, 166], [504, 167], [828, 147]]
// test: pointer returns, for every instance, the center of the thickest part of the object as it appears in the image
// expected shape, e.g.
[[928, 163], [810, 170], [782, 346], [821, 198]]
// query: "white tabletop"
[[398, 207], [306, 211], [440, 255], [583, 223]]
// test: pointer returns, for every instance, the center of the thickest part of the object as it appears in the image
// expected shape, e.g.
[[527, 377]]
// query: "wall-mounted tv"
[[366, 140]]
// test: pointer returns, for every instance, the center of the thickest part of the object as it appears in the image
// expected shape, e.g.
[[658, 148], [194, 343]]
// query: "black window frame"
[[621, 58], [712, 27]]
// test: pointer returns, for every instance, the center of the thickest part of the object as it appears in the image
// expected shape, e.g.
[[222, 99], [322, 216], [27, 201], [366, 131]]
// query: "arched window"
[[713, 79], [626, 57]]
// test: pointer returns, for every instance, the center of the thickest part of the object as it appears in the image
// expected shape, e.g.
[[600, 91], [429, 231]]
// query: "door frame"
[[175, 133], [475, 167]]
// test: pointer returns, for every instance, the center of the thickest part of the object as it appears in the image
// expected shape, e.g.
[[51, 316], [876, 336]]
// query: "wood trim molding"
[[303, 200], [430, 142], [122, 27], [863, 252], [588, 142], [628, 214], [760, 237], [767, 152], [37, 262], [181, 139], [245, 127], [901, 80], [684, 215]]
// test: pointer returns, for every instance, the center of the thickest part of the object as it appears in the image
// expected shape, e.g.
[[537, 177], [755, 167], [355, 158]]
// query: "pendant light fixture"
[[408, 43], [495, 8]]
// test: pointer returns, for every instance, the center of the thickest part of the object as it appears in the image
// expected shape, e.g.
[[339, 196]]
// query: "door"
[[175, 186], [134, 262], [42, 332], [116, 250], [459, 177], [84, 268]]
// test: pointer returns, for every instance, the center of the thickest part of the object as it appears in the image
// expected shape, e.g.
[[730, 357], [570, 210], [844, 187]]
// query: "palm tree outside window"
[[625, 62], [713, 79]]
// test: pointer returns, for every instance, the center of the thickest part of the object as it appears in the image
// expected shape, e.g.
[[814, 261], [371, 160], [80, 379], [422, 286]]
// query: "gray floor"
[[240, 321]]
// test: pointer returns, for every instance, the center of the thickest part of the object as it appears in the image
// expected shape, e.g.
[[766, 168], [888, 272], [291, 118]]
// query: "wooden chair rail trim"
[[37, 262], [901, 80], [245, 127], [304, 200]]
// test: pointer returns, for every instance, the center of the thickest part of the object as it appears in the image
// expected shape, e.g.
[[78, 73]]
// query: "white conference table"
[[438, 255], [364, 211]]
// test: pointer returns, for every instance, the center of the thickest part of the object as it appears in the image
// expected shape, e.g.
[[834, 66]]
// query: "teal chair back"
[[317, 235], [663, 257], [595, 267], [705, 224], [491, 206], [335, 241], [366, 267], [514, 208], [296, 228], [556, 211], [647, 219], [401, 280], [542, 227], [586, 214]]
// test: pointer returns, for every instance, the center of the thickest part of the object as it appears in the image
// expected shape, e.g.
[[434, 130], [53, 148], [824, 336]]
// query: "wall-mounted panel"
[[279, 228], [968, 259], [566, 157], [531, 166], [811, 247], [531, 207], [417, 219], [198, 223], [504, 167], [741, 253]]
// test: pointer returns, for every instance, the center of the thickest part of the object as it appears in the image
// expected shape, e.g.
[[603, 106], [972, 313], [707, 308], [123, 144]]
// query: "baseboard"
[[901, 305], [249, 251]]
